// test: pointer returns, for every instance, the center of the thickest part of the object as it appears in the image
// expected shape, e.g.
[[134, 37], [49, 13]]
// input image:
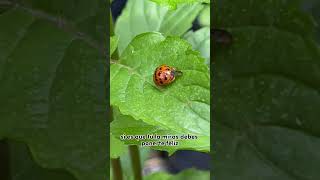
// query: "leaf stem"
[[135, 162], [115, 162], [116, 168]]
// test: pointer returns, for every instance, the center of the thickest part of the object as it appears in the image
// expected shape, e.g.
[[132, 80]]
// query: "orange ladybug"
[[164, 75]]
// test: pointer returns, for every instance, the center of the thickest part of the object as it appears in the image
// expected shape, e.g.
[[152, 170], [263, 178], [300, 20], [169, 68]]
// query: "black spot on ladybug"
[[167, 69], [160, 68], [161, 82], [165, 78], [159, 73]]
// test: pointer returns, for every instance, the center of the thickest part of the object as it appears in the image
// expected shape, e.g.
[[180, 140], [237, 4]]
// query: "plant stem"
[[135, 162], [115, 163], [116, 168]]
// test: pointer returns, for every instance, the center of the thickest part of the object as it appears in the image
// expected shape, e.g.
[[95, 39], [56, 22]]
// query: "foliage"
[[183, 107], [172, 4], [22, 165], [267, 92], [144, 16], [151, 35], [200, 41], [204, 16], [114, 40], [52, 79]]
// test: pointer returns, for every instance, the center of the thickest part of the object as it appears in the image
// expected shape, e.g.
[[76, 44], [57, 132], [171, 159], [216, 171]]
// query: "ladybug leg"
[[160, 88]]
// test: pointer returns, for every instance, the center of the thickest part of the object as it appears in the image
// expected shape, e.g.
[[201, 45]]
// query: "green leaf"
[[144, 16], [189, 174], [204, 16], [127, 125], [22, 166], [200, 41], [183, 106], [267, 93], [172, 4], [52, 69], [113, 44], [286, 16], [117, 147]]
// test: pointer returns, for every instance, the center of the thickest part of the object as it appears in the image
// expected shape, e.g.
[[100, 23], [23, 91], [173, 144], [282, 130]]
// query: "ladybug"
[[164, 75]]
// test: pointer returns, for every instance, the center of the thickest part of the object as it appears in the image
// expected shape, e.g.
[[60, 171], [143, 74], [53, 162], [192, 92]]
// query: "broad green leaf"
[[117, 147], [189, 174], [146, 16], [200, 41], [127, 125], [267, 93], [182, 107], [204, 16], [23, 167], [172, 4], [113, 44], [52, 69]]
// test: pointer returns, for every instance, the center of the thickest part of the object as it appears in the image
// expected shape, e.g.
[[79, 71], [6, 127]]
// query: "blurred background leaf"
[[172, 4], [204, 16], [52, 78], [267, 92], [200, 41], [145, 16], [23, 167]]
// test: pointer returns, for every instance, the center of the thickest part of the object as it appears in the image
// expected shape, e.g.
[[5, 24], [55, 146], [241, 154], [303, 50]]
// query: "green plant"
[[52, 85], [267, 91], [146, 36]]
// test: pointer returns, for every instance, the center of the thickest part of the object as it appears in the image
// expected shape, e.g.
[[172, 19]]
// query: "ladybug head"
[[175, 72]]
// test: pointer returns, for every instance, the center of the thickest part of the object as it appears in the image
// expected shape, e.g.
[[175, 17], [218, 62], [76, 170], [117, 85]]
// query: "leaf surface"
[[200, 41], [117, 147], [126, 125], [172, 4], [145, 16], [113, 44], [204, 16], [52, 69], [183, 106], [22, 166], [266, 93]]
